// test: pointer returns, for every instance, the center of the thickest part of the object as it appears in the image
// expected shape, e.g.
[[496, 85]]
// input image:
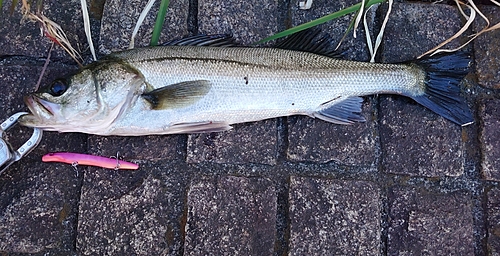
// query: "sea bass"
[[187, 88]]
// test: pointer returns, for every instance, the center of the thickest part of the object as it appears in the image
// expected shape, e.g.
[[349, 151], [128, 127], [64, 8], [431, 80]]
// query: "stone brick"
[[149, 148], [414, 140], [246, 143], [493, 213], [38, 208], [427, 223], [486, 50], [414, 28], [24, 37], [334, 217], [242, 19], [231, 216], [319, 141], [417, 142], [129, 212], [489, 138], [120, 17]]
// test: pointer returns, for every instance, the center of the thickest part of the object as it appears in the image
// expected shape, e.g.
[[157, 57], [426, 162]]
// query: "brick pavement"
[[405, 182]]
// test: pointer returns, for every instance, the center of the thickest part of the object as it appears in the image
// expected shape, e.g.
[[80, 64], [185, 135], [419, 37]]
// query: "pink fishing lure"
[[84, 159]]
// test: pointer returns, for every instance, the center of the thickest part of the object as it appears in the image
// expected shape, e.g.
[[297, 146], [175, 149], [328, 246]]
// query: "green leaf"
[[318, 21], [160, 19]]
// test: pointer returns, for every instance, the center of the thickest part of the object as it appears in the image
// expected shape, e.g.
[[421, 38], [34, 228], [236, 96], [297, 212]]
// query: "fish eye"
[[57, 88]]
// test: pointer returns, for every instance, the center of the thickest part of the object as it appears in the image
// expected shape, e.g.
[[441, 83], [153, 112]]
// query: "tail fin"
[[442, 93]]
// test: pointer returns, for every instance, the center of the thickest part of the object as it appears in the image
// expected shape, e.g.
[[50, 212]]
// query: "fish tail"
[[442, 92]]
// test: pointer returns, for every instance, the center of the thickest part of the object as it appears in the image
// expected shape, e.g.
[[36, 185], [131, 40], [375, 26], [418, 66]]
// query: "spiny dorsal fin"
[[177, 95], [306, 41], [346, 111], [221, 40]]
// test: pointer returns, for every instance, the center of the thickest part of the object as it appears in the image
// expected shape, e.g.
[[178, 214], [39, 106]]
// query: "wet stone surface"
[[486, 50], [24, 37], [433, 224], [120, 17], [230, 216], [414, 140], [418, 142], [144, 148], [241, 19], [414, 28], [38, 208], [319, 141], [129, 212], [246, 143], [494, 222], [333, 217], [490, 142]]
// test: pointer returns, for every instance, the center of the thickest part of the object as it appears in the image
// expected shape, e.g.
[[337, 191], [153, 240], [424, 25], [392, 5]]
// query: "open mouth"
[[40, 107]]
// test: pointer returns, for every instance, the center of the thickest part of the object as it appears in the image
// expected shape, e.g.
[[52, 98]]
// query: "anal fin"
[[347, 111], [199, 127]]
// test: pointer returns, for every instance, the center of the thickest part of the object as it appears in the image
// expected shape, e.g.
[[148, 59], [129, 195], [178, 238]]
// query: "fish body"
[[190, 89]]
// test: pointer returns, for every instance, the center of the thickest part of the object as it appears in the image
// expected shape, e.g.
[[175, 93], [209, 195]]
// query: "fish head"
[[89, 101]]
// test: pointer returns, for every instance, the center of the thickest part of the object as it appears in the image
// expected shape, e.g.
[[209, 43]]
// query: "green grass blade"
[[160, 19], [318, 21], [13, 7]]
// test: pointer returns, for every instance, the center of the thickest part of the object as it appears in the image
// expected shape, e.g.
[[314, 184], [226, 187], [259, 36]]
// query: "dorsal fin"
[[306, 41], [220, 40]]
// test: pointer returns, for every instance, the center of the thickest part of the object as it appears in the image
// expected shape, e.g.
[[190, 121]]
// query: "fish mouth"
[[43, 112], [37, 105]]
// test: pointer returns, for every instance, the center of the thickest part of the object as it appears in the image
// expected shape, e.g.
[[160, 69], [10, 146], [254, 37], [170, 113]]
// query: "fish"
[[205, 84]]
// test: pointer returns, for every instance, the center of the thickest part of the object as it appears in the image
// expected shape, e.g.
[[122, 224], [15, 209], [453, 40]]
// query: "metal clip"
[[7, 155]]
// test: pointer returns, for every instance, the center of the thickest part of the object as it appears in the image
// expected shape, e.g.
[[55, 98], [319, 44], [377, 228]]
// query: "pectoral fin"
[[346, 111], [177, 95], [199, 127]]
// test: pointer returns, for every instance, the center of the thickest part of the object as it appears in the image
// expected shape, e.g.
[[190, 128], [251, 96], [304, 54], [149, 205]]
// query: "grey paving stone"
[[414, 28], [319, 141], [128, 212], [423, 223], [334, 217], [417, 142], [493, 213], [149, 148], [24, 38], [38, 208], [120, 17], [490, 144], [231, 216], [486, 50], [246, 143], [414, 140], [242, 19]]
